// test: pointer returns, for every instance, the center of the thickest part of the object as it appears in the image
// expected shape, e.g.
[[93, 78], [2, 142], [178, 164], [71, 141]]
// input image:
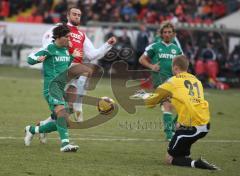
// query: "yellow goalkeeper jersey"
[[187, 97]]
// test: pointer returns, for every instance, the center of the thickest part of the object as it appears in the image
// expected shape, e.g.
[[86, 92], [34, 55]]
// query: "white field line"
[[11, 78], [122, 139]]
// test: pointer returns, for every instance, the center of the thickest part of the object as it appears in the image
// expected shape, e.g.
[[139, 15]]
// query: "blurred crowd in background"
[[148, 11], [208, 51]]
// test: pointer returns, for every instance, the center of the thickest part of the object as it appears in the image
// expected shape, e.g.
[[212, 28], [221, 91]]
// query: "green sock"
[[48, 127], [167, 122], [175, 119], [61, 124], [174, 123], [32, 129]]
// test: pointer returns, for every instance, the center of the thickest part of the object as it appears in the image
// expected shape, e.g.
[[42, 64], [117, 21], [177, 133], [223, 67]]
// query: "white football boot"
[[139, 95], [28, 136], [69, 148]]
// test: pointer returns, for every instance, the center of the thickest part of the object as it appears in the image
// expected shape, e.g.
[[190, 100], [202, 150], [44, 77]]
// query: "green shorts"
[[55, 93], [159, 78], [52, 102]]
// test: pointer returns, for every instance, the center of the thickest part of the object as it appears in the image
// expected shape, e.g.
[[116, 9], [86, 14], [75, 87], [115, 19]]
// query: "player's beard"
[[75, 23]]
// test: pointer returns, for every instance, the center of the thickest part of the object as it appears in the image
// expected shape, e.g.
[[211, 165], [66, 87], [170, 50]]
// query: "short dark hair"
[[182, 62], [60, 31]]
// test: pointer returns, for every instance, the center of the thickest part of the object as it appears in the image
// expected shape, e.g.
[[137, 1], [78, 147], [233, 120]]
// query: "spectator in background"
[[179, 9], [141, 43], [233, 63], [149, 11], [128, 12], [97, 7], [125, 48], [191, 53], [105, 11], [154, 5], [48, 4], [204, 9], [109, 34], [137, 6], [151, 17], [106, 61], [104, 15], [125, 39], [116, 17], [47, 18], [61, 6], [4, 9], [219, 9], [14, 7], [208, 53], [63, 17], [207, 67]]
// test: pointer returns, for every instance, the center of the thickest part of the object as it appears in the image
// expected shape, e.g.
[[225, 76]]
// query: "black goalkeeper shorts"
[[184, 137]]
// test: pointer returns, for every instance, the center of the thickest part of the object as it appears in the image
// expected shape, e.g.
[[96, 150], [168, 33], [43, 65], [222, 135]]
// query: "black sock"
[[182, 161]]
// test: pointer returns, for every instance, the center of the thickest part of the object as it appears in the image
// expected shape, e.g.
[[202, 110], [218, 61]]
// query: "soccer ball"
[[105, 105]]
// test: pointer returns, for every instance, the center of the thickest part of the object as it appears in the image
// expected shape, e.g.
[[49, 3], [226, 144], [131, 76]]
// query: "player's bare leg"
[[74, 102], [80, 84]]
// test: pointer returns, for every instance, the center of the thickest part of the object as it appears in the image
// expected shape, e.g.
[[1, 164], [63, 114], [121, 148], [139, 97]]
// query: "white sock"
[[49, 119], [77, 107], [80, 92], [81, 85], [37, 129], [193, 163]]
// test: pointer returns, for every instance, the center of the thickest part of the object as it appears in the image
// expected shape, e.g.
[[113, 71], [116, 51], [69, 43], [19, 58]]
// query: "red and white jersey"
[[79, 40]]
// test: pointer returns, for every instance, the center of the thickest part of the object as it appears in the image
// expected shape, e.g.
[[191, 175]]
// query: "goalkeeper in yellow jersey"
[[185, 92]]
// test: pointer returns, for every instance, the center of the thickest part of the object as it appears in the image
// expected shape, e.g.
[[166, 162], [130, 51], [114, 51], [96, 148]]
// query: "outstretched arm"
[[154, 98], [92, 53]]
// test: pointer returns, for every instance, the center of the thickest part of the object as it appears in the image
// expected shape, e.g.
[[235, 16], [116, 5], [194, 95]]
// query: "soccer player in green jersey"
[[56, 59], [158, 57]]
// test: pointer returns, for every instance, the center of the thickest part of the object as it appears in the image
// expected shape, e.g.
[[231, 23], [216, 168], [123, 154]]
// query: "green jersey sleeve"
[[149, 51], [179, 51], [33, 57]]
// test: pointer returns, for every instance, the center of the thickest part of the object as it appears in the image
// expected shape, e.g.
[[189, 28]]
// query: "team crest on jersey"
[[173, 51]]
